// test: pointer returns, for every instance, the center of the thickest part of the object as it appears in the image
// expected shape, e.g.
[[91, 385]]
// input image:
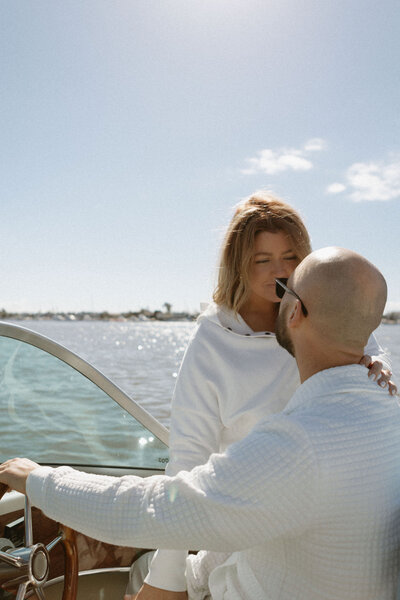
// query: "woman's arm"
[[378, 363], [376, 352]]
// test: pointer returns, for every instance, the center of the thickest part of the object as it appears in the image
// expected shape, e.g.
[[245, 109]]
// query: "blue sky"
[[129, 130]]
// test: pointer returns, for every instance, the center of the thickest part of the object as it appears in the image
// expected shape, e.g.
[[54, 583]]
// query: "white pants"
[[139, 570]]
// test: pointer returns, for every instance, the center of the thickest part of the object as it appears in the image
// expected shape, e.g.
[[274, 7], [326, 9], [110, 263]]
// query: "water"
[[143, 358], [389, 338], [55, 415]]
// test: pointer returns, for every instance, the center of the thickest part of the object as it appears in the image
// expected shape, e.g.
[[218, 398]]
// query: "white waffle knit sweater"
[[230, 379], [308, 502]]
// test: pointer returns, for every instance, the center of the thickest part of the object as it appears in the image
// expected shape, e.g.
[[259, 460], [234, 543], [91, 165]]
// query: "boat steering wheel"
[[29, 566]]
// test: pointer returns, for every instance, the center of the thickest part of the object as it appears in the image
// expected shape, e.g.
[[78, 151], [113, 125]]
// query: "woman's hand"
[[380, 375], [148, 592], [14, 473]]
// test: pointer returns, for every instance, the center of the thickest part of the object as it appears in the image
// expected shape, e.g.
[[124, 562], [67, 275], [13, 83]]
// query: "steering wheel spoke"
[[54, 543], [22, 591], [28, 523], [39, 592]]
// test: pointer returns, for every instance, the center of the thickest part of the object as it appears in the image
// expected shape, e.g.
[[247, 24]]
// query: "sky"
[[130, 128]]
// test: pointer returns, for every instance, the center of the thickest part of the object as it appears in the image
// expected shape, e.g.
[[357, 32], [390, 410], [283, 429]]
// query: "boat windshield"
[[53, 413]]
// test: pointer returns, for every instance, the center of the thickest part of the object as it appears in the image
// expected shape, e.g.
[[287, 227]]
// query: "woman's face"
[[273, 256]]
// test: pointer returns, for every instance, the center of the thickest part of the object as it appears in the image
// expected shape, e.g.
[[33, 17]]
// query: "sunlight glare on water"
[[143, 359]]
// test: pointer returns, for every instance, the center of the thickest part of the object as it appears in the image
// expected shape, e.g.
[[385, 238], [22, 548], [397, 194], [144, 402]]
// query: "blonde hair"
[[261, 211]]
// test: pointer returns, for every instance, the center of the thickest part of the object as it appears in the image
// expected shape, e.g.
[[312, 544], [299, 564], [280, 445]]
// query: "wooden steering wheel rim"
[[71, 566]]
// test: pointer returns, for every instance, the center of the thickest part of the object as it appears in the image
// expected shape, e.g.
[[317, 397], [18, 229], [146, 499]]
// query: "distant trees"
[[392, 316], [167, 307], [144, 314]]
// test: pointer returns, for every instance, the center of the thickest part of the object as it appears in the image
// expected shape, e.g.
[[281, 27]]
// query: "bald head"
[[344, 293]]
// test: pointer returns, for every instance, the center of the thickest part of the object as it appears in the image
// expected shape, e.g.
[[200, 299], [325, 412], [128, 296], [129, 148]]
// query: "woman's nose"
[[280, 269]]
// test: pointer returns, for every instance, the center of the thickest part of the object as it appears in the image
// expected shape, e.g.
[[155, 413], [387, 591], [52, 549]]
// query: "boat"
[[56, 408]]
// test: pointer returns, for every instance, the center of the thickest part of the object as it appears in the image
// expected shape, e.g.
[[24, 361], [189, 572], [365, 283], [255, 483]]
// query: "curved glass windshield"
[[53, 414]]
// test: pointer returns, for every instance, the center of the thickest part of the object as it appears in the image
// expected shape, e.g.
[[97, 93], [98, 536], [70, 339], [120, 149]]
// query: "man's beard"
[[281, 332]]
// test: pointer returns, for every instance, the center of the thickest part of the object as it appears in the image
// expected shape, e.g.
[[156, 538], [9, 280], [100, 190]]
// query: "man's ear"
[[295, 315]]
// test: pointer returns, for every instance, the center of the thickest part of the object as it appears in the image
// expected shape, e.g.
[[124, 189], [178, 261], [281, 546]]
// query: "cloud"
[[315, 145], [271, 162], [284, 159], [373, 181], [335, 188]]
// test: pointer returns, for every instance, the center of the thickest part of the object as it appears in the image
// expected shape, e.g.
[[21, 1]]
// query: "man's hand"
[[148, 592], [14, 473], [380, 375]]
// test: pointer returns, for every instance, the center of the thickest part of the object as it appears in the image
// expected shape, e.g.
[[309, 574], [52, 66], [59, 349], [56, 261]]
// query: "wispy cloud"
[[373, 181], [315, 145], [335, 188], [284, 159]]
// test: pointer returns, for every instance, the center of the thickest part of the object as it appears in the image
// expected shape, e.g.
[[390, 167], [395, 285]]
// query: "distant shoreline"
[[140, 316], [387, 321]]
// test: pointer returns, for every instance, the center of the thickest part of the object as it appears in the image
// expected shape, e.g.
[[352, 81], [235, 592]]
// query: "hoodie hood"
[[227, 319]]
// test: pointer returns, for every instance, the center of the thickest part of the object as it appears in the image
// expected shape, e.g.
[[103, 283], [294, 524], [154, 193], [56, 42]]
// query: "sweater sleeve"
[[194, 436], [261, 488], [375, 351]]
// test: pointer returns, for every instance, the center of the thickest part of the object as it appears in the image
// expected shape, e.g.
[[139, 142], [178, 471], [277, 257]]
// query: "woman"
[[234, 373]]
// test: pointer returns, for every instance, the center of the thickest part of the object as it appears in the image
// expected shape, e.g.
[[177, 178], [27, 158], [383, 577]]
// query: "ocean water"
[[54, 415], [389, 338], [143, 358]]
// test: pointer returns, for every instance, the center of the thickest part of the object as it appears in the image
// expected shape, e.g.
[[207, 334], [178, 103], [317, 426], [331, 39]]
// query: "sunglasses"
[[281, 288]]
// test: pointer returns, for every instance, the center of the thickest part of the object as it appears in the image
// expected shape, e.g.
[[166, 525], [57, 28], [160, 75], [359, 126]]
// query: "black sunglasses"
[[281, 288]]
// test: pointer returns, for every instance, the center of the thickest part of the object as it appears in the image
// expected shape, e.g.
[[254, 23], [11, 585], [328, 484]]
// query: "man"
[[308, 504]]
